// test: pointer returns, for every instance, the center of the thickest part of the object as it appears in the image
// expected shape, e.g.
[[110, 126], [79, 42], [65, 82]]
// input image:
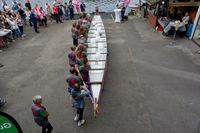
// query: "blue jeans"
[[16, 33]]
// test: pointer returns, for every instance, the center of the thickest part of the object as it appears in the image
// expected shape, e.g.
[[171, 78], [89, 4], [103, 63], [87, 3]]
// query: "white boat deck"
[[97, 56]]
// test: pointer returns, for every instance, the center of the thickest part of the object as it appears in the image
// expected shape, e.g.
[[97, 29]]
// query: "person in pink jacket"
[[43, 17], [37, 11], [77, 5], [55, 13]]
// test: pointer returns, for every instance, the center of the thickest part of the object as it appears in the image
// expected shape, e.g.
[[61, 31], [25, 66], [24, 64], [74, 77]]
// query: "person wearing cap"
[[84, 69], [78, 94], [72, 79], [41, 114], [72, 57]]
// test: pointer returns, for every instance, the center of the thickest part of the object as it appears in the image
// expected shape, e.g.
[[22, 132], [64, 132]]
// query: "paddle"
[[94, 101]]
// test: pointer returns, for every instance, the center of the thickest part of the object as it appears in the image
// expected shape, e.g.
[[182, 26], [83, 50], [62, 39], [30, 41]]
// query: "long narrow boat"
[[97, 56]]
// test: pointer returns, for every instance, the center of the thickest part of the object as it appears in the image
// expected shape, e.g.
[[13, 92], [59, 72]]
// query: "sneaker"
[[76, 117], [80, 123]]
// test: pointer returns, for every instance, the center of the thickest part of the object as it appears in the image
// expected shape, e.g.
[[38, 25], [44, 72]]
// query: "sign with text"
[[8, 124]]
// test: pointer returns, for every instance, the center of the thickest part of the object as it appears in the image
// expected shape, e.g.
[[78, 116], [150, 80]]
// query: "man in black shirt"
[[82, 6], [28, 5], [21, 13]]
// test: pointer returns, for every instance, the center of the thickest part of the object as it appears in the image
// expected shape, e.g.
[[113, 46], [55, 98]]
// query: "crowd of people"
[[121, 14], [14, 17], [77, 80]]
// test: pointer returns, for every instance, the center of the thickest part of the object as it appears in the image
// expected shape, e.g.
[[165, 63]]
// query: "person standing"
[[33, 18], [77, 5], [41, 114], [82, 7], [75, 33], [22, 14], [123, 9], [28, 6], [72, 57], [78, 94], [71, 10], [60, 11], [84, 69], [55, 13], [66, 11], [49, 12], [72, 79]]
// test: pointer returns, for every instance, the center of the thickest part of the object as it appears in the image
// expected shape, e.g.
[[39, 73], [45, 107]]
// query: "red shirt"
[[55, 9]]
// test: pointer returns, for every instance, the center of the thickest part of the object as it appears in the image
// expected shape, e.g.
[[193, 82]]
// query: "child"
[[55, 13], [77, 5], [78, 94]]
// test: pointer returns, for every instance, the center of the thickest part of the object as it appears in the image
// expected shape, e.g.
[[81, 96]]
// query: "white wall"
[[195, 22]]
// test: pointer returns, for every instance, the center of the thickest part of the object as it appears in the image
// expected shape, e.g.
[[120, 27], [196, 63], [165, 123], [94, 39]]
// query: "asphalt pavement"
[[152, 83]]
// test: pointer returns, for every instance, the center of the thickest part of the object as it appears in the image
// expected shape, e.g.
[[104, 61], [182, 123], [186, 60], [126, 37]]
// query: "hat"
[[72, 58], [37, 97]]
